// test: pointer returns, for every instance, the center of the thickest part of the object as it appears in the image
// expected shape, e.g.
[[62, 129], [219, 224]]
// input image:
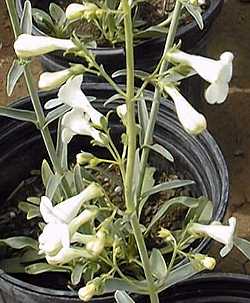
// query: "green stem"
[[132, 134], [157, 94], [34, 96], [130, 120]]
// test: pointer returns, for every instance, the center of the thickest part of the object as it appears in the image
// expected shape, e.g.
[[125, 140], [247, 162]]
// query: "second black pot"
[[210, 288], [22, 150]]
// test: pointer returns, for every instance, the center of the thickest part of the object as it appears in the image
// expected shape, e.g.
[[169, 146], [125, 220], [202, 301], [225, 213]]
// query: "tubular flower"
[[71, 94], [220, 233], [192, 121], [217, 72], [76, 122], [27, 45], [49, 81], [67, 210]]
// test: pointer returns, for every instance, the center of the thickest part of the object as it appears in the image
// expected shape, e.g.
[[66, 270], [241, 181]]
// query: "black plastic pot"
[[210, 288], [22, 151], [147, 53]]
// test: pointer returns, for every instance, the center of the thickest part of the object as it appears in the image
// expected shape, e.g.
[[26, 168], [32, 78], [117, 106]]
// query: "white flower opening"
[[221, 233], [192, 121], [63, 222], [71, 94], [217, 72], [67, 210], [87, 292], [28, 46]]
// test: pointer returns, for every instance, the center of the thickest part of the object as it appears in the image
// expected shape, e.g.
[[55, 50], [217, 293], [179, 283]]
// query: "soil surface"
[[229, 123]]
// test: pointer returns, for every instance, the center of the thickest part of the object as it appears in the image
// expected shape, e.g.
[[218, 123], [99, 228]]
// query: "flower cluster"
[[62, 224]]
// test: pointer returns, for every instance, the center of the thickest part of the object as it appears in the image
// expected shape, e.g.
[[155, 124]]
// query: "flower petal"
[[217, 92]]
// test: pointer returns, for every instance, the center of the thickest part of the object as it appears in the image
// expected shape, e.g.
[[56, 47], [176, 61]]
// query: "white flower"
[[71, 94], [53, 238], [53, 80], [76, 122], [192, 121], [86, 293], [67, 210], [220, 233], [27, 45], [217, 72]]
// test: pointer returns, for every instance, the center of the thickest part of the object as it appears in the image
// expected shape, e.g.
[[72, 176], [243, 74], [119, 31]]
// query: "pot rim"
[[204, 243], [213, 10]]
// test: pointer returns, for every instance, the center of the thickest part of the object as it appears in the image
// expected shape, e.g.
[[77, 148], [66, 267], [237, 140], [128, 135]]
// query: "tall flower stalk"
[[80, 204]]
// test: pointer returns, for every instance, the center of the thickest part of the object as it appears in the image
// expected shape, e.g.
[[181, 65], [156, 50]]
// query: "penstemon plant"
[[81, 230]]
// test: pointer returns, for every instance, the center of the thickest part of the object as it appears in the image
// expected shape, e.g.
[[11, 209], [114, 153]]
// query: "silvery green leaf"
[[243, 245], [195, 11], [78, 179], [61, 147], [114, 98], [186, 201], [15, 72], [167, 186], [52, 103], [179, 274], [42, 19], [31, 210], [40, 268], [26, 19], [143, 118], [114, 284], [122, 297], [34, 200], [158, 264], [52, 187], [152, 31], [148, 183], [203, 213], [56, 113], [136, 171], [57, 14], [31, 255], [19, 114], [161, 150], [20, 242], [12, 265], [76, 273], [46, 172]]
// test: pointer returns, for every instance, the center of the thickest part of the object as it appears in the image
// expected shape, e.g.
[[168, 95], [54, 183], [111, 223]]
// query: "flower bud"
[[75, 11], [49, 81], [96, 246], [84, 158], [202, 262], [192, 121], [165, 234], [86, 293], [27, 45]]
